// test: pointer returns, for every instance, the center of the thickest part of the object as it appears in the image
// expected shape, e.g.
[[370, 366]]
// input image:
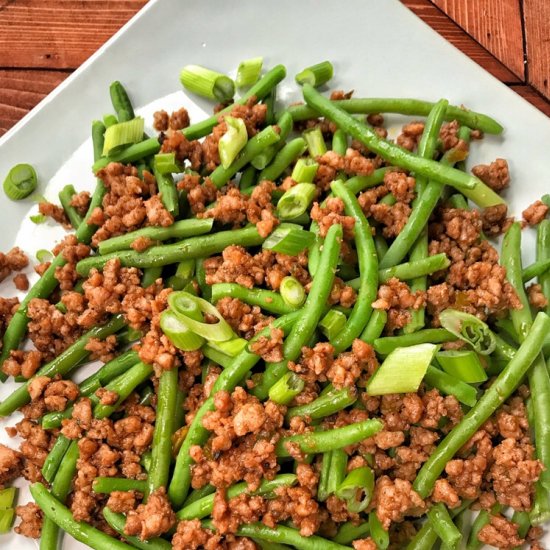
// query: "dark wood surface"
[[43, 41]]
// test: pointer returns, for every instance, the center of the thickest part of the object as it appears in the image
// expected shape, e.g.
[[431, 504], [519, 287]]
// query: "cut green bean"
[[325, 405], [283, 159], [348, 532], [450, 385], [266, 299], [286, 388], [443, 525], [316, 75], [375, 326], [121, 102], [377, 532], [110, 484], [386, 345], [536, 269], [65, 196], [55, 457]]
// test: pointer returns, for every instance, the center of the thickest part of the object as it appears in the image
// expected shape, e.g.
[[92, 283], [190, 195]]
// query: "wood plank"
[[440, 22], [21, 90], [533, 97], [537, 33], [495, 24], [58, 34]]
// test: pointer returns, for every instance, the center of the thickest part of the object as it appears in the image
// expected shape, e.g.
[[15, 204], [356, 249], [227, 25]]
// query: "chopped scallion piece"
[[38, 218], [403, 370], [304, 171], [233, 141], [357, 489], [332, 323], [296, 201], [6, 520], [207, 83], [249, 72], [166, 163], [44, 255], [289, 239], [20, 182], [286, 388], [178, 333], [123, 134], [230, 347], [315, 142], [464, 364], [316, 75], [292, 291], [470, 329]]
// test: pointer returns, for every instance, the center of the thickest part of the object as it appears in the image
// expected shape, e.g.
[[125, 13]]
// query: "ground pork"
[[500, 533], [400, 185], [535, 213], [104, 350], [21, 282], [10, 465], [353, 163], [536, 296], [392, 217], [31, 520], [332, 214], [34, 449], [227, 515], [175, 142], [14, 260], [122, 502], [496, 175], [55, 212], [72, 251], [495, 221], [81, 202], [410, 135], [449, 135], [190, 535], [269, 348], [22, 363], [246, 320], [151, 519]]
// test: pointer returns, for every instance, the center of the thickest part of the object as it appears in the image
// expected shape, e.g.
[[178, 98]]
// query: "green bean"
[[192, 248], [339, 142], [507, 381], [65, 196], [130, 154], [338, 469], [123, 385], [283, 159], [248, 177], [110, 484], [121, 102], [287, 535], [375, 326], [325, 405], [62, 364], [450, 385], [61, 515], [118, 522], [268, 136], [150, 275], [266, 299], [161, 449], [260, 90], [324, 474], [348, 532], [484, 195], [543, 254], [540, 512], [55, 457], [310, 314], [197, 434], [178, 230], [198, 494], [536, 269], [539, 379], [418, 252], [203, 507], [481, 520], [265, 545], [357, 184], [521, 519], [220, 358], [328, 440], [368, 269], [403, 106], [384, 346], [443, 525], [377, 532], [60, 489]]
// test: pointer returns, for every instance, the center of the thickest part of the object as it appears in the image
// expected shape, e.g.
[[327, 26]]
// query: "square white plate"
[[378, 48]]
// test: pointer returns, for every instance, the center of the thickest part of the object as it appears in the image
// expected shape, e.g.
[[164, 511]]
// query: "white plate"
[[378, 48]]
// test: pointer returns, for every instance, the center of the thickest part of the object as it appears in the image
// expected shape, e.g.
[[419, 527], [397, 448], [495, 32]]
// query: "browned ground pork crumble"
[[497, 465]]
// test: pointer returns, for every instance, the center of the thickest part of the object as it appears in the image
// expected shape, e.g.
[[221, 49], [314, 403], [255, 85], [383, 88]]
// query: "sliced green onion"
[[178, 333], [305, 170], [7, 496], [292, 291], [470, 329], [185, 306], [357, 489], [249, 71], [20, 182], [286, 388], [6, 520], [296, 201], [231, 347], [332, 323], [316, 75], [315, 142], [166, 163], [233, 141], [450, 385], [38, 218], [402, 371], [464, 364], [109, 120], [207, 83], [122, 134], [289, 239], [443, 525], [183, 275], [217, 356]]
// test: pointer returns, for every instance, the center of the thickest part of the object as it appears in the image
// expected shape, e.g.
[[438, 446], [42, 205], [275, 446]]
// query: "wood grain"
[[537, 34], [495, 24], [436, 19], [58, 34], [533, 97]]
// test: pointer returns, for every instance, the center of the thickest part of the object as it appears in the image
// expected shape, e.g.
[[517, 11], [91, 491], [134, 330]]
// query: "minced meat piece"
[[151, 519], [21, 282], [31, 520], [175, 142], [364, 544], [494, 220], [107, 397], [122, 502], [191, 535], [348, 367], [270, 349], [444, 492], [228, 515], [500, 533], [314, 362], [14, 260], [245, 319], [142, 243], [102, 349], [536, 296], [10, 464], [160, 121], [393, 217], [400, 185], [449, 135], [535, 213], [331, 214], [22, 363], [178, 119], [55, 212], [410, 135], [81, 202], [156, 212], [496, 175]]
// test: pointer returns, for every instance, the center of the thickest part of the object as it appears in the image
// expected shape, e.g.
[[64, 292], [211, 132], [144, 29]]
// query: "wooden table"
[[43, 41]]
